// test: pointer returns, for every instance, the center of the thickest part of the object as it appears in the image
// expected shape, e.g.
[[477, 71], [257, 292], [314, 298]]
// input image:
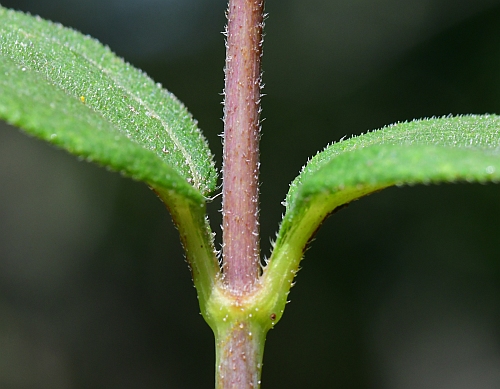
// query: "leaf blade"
[[105, 93], [472, 132], [431, 150], [465, 148]]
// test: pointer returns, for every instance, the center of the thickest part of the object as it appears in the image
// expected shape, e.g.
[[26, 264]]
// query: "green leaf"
[[68, 89], [464, 148], [447, 149]]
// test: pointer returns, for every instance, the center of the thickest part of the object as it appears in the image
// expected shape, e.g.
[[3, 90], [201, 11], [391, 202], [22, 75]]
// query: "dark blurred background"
[[400, 290]]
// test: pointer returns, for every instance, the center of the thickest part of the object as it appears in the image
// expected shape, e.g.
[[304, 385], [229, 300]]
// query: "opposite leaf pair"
[[69, 90]]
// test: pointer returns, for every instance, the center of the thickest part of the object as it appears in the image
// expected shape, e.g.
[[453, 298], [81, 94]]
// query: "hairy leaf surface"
[[464, 148], [70, 90], [422, 151]]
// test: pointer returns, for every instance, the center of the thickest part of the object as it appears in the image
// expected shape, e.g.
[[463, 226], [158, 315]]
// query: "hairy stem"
[[240, 348], [241, 253], [239, 340]]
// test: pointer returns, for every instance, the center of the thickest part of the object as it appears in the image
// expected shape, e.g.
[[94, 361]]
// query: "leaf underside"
[[70, 90], [449, 149]]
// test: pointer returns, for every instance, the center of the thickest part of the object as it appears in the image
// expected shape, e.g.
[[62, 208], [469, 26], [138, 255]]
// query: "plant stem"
[[240, 348], [240, 209], [239, 340]]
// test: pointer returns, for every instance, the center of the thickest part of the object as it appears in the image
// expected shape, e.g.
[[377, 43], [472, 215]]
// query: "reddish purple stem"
[[241, 250]]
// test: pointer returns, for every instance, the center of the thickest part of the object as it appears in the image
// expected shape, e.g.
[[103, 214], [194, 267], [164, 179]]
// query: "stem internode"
[[241, 253]]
